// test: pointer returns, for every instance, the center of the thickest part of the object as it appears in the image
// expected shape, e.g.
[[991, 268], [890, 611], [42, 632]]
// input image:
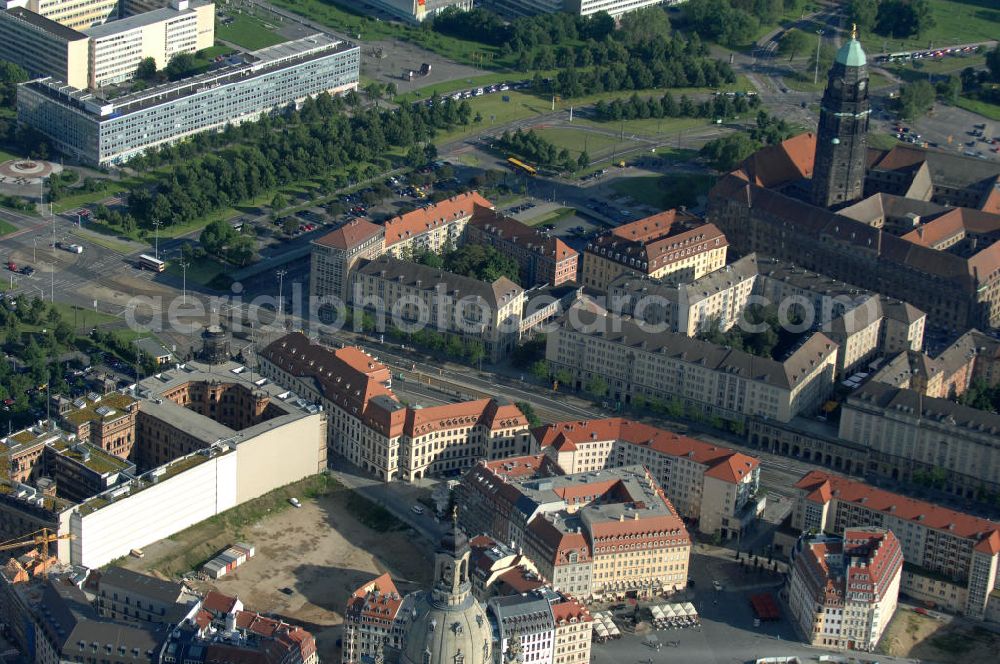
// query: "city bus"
[[147, 262], [519, 165]]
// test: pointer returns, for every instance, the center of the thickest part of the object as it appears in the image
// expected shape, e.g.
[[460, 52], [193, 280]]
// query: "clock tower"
[[842, 137]]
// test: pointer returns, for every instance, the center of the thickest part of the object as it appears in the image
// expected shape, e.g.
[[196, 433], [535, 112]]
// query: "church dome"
[[851, 54], [454, 542], [448, 624], [436, 634]]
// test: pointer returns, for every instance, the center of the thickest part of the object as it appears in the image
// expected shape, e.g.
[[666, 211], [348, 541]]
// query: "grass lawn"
[[917, 70], [104, 236], [7, 156], [497, 112], [81, 317], [247, 31], [651, 127], [6, 227], [955, 22], [984, 108], [666, 191], [201, 271], [882, 141], [551, 217], [576, 140]]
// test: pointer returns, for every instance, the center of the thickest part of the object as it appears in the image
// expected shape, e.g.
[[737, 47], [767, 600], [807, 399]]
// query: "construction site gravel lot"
[[308, 560]]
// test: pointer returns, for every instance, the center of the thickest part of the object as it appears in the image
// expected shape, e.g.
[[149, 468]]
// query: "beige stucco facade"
[[76, 14], [283, 455]]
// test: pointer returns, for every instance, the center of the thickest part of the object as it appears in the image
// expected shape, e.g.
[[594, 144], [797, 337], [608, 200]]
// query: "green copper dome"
[[851, 54]]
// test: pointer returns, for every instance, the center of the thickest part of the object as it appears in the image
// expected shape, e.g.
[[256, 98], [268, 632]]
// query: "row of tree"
[[733, 22], [486, 27], [538, 150], [892, 18], [727, 152], [240, 163], [640, 108], [473, 260]]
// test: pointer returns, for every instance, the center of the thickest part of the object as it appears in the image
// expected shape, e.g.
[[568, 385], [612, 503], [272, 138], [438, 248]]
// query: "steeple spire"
[[854, 30]]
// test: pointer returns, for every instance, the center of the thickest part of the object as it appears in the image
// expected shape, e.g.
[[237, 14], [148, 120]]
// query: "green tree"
[[529, 413], [583, 161], [726, 153], [597, 386], [863, 14], [915, 99], [794, 42], [10, 75], [949, 88], [180, 66], [540, 370], [146, 71], [279, 202], [903, 18], [993, 63], [644, 25]]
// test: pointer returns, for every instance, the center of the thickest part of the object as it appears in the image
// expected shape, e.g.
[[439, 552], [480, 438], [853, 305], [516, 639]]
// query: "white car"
[[417, 509], [295, 502]]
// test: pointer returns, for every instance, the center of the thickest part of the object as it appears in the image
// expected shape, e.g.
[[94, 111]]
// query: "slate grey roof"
[[142, 584], [785, 374], [423, 277]]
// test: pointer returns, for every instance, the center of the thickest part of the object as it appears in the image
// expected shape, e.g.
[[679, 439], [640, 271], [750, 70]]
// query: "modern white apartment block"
[[102, 132], [74, 14], [714, 486], [116, 48], [109, 52], [43, 47], [843, 591], [951, 557]]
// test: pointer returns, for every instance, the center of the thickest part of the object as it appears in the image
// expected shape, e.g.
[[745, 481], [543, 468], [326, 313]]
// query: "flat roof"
[[48, 25], [250, 65], [138, 20], [151, 390]]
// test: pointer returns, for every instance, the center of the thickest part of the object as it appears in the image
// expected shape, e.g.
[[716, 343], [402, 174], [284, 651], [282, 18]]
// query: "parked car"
[[295, 502], [417, 509]]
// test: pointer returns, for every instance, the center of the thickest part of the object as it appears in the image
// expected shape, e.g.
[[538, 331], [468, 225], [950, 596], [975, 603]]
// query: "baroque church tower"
[[842, 138]]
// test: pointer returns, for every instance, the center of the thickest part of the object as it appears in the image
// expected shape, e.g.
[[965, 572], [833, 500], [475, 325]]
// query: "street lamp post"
[[819, 42], [184, 295], [156, 240], [281, 282], [34, 248]]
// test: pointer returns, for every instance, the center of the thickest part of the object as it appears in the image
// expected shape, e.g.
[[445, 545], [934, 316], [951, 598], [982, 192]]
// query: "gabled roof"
[[511, 230], [721, 462], [821, 487], [349, 236], [776, 165], [421, 221]]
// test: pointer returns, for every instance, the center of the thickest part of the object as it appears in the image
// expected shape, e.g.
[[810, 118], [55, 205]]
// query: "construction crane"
[[39, 538]]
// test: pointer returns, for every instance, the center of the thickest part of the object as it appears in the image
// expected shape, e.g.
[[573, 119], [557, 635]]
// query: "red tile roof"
[[513, 231], [570, 609], [349, 236], [420, 221], [352, 379], [723, 463], [821, 487], [785, 162], [379, 599], [218, 603]]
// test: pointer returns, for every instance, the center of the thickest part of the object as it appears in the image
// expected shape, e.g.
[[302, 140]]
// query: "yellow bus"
[[517, 164]]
